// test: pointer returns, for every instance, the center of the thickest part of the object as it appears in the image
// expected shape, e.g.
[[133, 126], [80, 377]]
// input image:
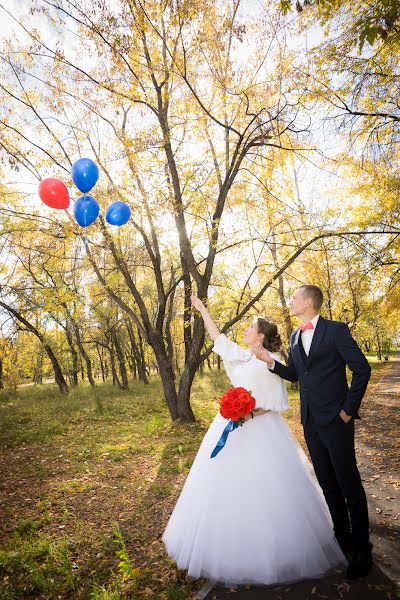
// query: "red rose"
[[236, 403]]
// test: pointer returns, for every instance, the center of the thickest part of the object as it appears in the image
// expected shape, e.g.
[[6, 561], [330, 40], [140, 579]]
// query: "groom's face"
[[300, 303]]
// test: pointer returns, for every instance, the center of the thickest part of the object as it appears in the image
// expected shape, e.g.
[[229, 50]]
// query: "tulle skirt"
[[255, 513]]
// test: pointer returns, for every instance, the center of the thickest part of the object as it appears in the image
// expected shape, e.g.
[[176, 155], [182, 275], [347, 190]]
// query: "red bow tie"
[[305, 326]]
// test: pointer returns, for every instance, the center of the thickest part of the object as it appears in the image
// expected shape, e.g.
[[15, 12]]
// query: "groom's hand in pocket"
[[344, 416]]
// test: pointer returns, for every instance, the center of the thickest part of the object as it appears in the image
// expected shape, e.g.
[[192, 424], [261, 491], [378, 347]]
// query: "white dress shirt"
[[308, 334]]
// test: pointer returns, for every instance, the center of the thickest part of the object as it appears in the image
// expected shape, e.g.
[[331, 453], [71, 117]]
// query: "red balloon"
[[54, 193]]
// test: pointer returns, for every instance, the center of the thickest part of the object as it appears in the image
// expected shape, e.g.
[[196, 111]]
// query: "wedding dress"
[[255, 513]]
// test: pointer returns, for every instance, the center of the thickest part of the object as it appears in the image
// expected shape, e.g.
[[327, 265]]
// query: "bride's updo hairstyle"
[[272, 340]]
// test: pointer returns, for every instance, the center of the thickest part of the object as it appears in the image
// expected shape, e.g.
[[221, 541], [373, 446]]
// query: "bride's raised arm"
[[208, 322]]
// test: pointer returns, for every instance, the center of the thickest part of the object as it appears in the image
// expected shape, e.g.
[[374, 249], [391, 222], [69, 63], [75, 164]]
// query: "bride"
[[254, 513]]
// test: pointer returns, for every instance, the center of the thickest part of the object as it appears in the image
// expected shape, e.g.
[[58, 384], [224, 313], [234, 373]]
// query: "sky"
[[312, 179], [19, 9]]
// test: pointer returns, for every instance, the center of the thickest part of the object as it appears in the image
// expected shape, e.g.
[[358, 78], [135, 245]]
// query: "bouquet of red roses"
[[235, 403]]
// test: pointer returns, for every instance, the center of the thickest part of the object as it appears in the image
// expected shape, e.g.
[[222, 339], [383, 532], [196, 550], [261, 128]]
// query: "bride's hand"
[[197, 303]]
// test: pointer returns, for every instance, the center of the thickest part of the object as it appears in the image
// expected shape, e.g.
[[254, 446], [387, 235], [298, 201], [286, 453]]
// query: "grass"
[[90, 480], [89, 483]]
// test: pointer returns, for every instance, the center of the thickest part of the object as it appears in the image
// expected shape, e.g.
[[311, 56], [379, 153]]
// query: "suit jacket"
[[322, 375]]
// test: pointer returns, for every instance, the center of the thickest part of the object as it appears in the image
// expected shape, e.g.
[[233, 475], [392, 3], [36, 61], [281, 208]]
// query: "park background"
[[257, 146]]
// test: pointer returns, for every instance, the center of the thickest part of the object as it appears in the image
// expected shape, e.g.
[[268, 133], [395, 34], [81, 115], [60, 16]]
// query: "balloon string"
[[85, 243], [86, 284]]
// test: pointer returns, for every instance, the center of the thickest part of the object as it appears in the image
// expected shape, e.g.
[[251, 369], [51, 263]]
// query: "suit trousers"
[[333, 456]]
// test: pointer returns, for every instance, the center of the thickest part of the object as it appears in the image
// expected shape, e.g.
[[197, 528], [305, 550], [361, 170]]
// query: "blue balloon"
[[85, 174], [118, 213], [86, 210]]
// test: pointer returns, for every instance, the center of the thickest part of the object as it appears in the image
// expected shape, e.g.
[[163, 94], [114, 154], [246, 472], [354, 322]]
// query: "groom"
[[319, 352]]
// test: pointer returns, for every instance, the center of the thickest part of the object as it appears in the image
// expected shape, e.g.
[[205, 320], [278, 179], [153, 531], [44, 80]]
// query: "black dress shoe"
[[360, 564]]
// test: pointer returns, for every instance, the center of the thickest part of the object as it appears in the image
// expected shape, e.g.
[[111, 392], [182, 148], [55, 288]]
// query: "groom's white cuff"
[[272, 367]]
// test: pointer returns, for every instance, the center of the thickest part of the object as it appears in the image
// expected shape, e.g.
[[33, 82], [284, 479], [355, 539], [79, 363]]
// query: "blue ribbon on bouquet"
[[222, 440]]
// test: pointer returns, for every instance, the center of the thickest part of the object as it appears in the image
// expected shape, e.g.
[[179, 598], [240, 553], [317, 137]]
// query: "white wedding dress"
[[254, 513]]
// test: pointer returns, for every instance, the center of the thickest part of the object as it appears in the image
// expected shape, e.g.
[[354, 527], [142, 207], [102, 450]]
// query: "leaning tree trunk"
[[62, 384], [59, 377]]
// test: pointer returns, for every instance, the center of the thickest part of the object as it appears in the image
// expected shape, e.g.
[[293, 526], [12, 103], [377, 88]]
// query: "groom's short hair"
[[313, 292]]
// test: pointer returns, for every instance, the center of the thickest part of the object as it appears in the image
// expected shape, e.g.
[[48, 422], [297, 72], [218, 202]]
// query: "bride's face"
[[251, 335]]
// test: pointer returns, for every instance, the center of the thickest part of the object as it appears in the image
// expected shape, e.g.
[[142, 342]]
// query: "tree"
[[62, 384], [158, 65], [366, 21]]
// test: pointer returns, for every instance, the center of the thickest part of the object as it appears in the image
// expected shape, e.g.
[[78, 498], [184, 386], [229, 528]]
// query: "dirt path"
[[378, 445]]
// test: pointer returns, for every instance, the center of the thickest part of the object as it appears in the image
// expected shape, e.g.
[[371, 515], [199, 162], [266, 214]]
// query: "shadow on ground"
[[376, 586]]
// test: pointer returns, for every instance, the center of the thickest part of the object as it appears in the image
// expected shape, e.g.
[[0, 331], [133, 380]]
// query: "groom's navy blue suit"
[[323, 393]]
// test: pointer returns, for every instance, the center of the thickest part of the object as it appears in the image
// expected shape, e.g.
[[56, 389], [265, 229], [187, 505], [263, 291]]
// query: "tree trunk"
[[74, 356], [185, 385], [378, 347], [38, 368], [166, 373], [62, 384], [282, 298], [103, 374], [146, 370], [115, 379], [121, 360], [82, 350], [285, 309], [82, 370], [1, 375], [137, 353], [168, 336], [327, 270]]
